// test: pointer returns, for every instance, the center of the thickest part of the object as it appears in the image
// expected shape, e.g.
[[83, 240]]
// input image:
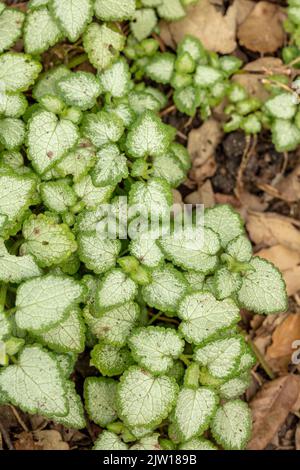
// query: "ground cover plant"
[[158, 313]]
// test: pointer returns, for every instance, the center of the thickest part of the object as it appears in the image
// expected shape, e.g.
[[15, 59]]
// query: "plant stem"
[[294, 62], [3, 291], [154, 318], [259, 356], [185, 359], [262, 360], [78, 60], [16, 246], [11, 311]]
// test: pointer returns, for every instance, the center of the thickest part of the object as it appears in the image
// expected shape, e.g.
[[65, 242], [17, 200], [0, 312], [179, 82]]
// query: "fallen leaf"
[[292, 280], [262, 343], [177, 202], [205, 20], [262, 30], [37, 422], [280, 352], [40, 440], [289, 187], [50, 440], [204, 195], [25, 441], [21, 6], [227, 199], [207, 194], [251, 202], [204, 140], [283, 257], [270, 408], [202, 144], [268, 229], [166, 35], [254, 72]]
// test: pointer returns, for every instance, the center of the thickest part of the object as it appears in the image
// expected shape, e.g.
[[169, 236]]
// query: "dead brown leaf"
[[227, 199], [280, 352], [289, 188], [50, 440], [206, 21], [40, 440], [268, 229], [262, 30], [201, 146], [207, 194], [292, 280], [288, 261], [283, 257], [257, 70], [250, 202], [25, 441], [203, 195], [270, 408]]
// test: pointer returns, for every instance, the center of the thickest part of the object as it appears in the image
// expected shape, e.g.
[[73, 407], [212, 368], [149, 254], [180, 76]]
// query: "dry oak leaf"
[[204, 195], [289, 187], [269, 228], [262, 30], [282, 256], [50, 440], [205, 20], [270, 408], [254, 72], [288, 262], [40, 440], [202, 144], [292, 280], [279, 354]]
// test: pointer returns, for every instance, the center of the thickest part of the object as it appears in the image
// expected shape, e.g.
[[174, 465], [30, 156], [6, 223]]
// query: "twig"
[[258, 354], [183, 136], [269, 81], [167, 110], [257, 378], [161, 43], [188, 122], [6, 437], [269, 190], [261, 360], [19, 419], [294, 62], [243, 166], [285, 163], [166, 319]]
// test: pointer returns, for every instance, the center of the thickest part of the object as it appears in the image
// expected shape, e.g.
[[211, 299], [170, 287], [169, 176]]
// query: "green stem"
[[154, 318], [124, 252], [3, 291], [262, 361], [78, 60], [11, 311], [14, 249], [185, 359]]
